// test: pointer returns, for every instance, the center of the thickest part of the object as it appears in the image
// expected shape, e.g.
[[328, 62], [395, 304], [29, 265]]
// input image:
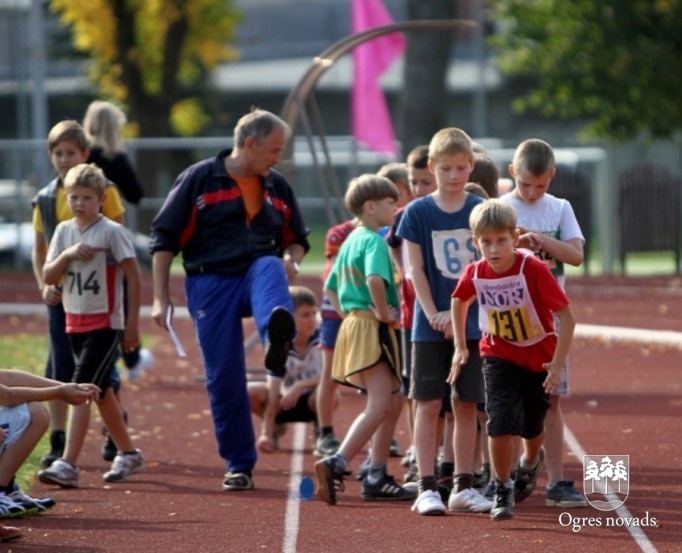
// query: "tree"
[[153, 55], [427, 56], [615, 63]]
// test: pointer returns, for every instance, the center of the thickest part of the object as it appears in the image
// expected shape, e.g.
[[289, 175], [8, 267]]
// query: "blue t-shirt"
[[447, 247]]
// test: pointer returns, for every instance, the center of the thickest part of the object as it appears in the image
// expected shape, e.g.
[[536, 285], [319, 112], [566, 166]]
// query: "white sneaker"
[[145, 361], [429, 503], [469, 500], [124, 465], [61, 472]]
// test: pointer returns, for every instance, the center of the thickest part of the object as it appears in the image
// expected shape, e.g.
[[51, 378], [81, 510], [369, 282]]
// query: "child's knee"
[[39, 415]]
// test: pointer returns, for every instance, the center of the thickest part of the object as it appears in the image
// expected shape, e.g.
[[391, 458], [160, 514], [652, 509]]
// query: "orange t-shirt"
[[252, 192]]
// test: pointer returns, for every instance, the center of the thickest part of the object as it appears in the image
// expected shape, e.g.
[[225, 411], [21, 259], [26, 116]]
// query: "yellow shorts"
[[363, 342]]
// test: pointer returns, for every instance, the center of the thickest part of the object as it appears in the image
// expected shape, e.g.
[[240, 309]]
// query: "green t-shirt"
[[363, 253]]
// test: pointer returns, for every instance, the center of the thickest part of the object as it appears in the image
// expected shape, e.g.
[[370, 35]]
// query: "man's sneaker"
[[503, 502], [32, 505], [326, 446], [281, 334], [385, 489], [10, 509], [57, 443], [61, 473], [237, 481], [329, 479], [412, 475], [429, 503], [395, 450], [124, 465], [564, 494], [469, 500], [145, 361], [525, 480], [8, 533]]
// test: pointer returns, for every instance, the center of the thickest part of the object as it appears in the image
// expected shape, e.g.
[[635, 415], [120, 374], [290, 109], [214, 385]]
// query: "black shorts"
[[516, 402], [95, 353], [301, 412]]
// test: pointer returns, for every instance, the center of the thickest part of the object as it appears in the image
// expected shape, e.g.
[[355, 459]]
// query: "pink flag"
[[371, 119]]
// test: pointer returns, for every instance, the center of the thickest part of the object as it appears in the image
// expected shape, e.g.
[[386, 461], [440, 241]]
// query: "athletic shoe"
[[124, 465], [281, 334], [57, 443], [413, 474], [408, 458], [395, 449], [329, 479], [145, 361], [564, 494], [526, 478], [503, 502], [8, 533], [385, 489], [469, 500], [10, 509], [326, 446], [62, 473], [429, 503], [32, 505], [482, 478], [237, 481]]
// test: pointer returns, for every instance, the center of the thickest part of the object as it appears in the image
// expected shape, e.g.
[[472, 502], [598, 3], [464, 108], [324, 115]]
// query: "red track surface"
[[177, 503]]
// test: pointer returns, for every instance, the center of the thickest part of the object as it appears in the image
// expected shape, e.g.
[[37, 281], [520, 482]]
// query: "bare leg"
[[15, 455]]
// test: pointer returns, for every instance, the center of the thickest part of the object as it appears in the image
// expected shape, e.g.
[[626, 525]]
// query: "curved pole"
[[321, 63]]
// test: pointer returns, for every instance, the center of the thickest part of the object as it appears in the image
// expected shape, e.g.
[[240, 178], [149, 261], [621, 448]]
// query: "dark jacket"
[[204, 217]]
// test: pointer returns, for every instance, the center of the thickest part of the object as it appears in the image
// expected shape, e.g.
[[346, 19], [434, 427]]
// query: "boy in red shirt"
[[522, 354]]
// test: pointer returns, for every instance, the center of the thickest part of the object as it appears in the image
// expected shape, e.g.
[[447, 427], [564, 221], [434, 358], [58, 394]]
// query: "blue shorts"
[[329, 330]]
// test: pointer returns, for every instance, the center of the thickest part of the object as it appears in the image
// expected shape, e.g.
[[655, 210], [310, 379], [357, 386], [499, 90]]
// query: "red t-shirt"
[[547, 296]]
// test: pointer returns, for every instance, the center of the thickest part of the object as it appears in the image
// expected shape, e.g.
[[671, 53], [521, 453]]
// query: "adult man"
[[239, 227]]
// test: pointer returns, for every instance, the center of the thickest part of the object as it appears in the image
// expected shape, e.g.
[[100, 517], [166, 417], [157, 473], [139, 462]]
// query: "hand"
[[79, 394], [290, 399], [160, 312], [265, 444], [553, 379], [388, 318], [442, 322], [459, 359], [290, 268], [52, 294], [131, 340], [79, 251]]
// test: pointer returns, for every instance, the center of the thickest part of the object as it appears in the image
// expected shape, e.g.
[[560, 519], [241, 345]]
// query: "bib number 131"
[[512, 325], [80, 285]]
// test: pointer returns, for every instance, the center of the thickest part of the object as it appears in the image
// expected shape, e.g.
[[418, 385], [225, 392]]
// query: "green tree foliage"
[[614, 62], [153, 55]]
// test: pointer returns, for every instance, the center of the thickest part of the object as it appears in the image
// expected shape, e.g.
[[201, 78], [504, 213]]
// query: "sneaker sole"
[[324, 476], [529, 488], [567, 504], [47, 479], [408, 497], [115, 478], [281, 333], [502, 516]]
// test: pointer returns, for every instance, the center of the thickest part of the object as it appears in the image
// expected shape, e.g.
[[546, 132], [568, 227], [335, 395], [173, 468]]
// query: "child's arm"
[[563, 344], [439, 320], [397, 258], [18, 387], [291, 397], [569, 251], [266, 441], [458, 313], [55, 269], [380, 308], [131, 334], [51, 294]]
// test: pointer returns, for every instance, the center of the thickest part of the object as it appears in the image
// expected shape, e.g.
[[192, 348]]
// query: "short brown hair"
[[486, 173], [87, 175], [492, 215], [449, 141], [301, 295], [533, 155], [367, 188], [70, 130], [418, 158]]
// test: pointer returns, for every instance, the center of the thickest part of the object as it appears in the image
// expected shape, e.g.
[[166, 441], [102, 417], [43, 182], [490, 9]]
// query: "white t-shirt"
[[93, 289]]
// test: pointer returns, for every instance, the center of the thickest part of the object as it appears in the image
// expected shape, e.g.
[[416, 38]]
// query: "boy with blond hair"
[[439, 247], [90, 255], [523, 351], [361, 287]]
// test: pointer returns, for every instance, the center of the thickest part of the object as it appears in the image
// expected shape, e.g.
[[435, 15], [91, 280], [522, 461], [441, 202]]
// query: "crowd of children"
[[410, 315]]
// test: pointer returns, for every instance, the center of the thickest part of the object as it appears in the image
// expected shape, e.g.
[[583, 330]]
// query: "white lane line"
[[636, 532], [293, 502]]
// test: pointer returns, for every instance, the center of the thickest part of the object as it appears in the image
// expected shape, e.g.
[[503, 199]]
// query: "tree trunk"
[[422, 104]]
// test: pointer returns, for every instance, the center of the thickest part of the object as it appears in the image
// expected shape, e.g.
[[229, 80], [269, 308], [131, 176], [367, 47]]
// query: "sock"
[[325, 431], [8, 489], [428, 483], [463, 481], [446, 469], [376, 473], [341, 461], [525, 465]]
